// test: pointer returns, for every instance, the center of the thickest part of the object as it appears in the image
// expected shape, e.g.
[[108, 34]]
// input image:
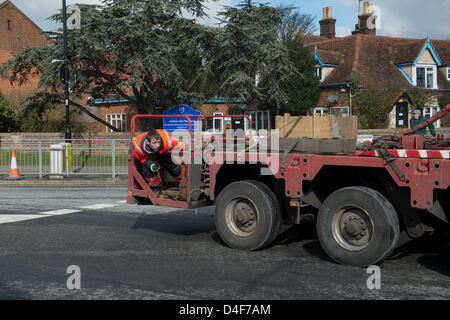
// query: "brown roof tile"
[[375, 59]]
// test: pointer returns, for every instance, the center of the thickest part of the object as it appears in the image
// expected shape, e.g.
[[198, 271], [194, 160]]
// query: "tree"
[[444, 100], [372, 106], [9, 120], [420, 98], [302, 90], [247, 48], [148, 53], [295, 24]]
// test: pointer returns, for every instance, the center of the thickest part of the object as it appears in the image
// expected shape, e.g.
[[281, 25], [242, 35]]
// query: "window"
[[340, 111], [319, 73], [218, 123], [448, 73], [430, 111], [321, 111], [117, 120], [425, 77]]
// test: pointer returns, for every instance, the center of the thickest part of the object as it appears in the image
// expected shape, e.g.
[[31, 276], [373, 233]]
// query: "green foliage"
[[147, 52], [247, 47], [372, 107], [354, 82], [302, 90], [9, 120], [420, 98]]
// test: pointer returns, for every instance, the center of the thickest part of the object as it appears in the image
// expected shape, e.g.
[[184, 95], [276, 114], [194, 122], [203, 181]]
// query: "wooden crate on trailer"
[[319, 127]]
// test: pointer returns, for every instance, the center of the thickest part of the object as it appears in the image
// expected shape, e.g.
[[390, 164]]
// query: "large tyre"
[[358, 226], [247, 215]]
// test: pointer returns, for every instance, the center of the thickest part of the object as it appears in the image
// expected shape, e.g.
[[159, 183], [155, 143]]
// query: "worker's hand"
[[154, 167]]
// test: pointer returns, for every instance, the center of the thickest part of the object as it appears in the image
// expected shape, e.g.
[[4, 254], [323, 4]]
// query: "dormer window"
[[319, 73], [426, 76]]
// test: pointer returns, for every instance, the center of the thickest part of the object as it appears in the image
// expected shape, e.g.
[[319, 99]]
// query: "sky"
[[399, 18]]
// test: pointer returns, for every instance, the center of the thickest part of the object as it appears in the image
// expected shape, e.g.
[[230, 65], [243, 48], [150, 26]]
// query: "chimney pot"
[[328, 24]]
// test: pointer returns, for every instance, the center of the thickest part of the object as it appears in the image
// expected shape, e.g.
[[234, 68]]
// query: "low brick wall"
[[94, 141]]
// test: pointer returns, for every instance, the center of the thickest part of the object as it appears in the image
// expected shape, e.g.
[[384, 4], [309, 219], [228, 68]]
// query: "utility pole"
[[68, 134]]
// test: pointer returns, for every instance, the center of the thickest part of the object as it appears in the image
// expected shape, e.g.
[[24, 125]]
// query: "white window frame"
[[430, 114], [448, 73], [321, 110], [319, 73], [214, 129], [114, 118], [434, 72]]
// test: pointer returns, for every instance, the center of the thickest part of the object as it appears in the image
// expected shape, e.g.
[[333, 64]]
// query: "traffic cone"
[[14, 173]]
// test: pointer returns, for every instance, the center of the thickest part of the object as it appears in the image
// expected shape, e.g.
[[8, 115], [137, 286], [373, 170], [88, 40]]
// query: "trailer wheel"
[[247, 215], [358, 226]]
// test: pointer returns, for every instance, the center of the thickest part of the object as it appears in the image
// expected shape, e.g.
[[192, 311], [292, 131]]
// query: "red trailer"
[[367, 201]]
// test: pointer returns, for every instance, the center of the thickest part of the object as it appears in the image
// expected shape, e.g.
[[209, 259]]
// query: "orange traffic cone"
[[14, 173]]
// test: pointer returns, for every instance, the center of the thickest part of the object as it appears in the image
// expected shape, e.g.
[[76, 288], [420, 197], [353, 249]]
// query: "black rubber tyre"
[[247, 215], [358, 226]]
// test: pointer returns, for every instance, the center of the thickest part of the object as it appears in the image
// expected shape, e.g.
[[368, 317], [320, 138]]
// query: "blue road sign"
[[180, 124]]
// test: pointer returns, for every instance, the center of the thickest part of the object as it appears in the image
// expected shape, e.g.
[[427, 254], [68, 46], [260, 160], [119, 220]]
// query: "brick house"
[[381, 62], [17, 32]]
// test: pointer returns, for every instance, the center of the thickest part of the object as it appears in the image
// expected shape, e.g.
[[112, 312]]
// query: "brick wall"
[[100, 143], [17, 31], [344, 98]]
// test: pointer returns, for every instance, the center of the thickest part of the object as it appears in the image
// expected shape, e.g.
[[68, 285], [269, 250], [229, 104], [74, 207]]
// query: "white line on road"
[[122, 201], [99, 206], [7, 218], [58, 212]]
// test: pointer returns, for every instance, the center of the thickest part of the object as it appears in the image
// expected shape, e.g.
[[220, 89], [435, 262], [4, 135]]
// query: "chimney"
[[328, 24], [367, 21]]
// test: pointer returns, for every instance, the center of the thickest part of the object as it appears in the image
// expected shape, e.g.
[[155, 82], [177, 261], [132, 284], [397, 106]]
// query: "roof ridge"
[[357, 50]]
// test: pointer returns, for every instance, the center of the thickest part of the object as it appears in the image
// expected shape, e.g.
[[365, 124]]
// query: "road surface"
[[144, 252]]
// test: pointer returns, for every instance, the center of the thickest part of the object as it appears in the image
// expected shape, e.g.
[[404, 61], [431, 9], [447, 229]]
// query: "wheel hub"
[[351, 229], [245, 216]]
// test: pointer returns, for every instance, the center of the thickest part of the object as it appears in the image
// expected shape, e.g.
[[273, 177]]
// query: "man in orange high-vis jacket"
[[152, 151]]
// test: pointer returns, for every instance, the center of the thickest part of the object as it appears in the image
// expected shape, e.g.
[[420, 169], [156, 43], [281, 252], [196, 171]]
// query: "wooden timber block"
[[330, 146], [308, 145], [348, 146]]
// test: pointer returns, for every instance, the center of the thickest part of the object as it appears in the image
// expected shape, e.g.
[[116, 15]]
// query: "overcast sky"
[[399, 18]]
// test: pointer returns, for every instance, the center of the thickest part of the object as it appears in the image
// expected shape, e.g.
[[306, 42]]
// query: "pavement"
[[71, 181]]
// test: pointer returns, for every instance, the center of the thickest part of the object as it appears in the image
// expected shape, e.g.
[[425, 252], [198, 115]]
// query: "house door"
[[401, 114]]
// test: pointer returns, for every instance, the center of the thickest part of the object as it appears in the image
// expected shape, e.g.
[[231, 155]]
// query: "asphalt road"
[[144, 252]]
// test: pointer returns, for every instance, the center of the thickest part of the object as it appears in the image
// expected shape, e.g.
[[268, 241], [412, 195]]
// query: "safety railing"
[[47, 157]]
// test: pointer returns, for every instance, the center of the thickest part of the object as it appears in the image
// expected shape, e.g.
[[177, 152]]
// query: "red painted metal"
[[144, 190], [422, 176], [424, 170]]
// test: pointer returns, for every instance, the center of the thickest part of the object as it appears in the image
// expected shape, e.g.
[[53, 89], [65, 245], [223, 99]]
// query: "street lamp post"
[[68, 134]]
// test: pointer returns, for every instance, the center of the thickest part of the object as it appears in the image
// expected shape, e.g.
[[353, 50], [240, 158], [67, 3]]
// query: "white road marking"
[[122, 201], [7, 218], [99, 206], [59, 212]]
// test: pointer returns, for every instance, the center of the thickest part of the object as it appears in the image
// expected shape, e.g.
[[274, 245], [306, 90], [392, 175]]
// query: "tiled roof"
[[307, 39], [375, 58]]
